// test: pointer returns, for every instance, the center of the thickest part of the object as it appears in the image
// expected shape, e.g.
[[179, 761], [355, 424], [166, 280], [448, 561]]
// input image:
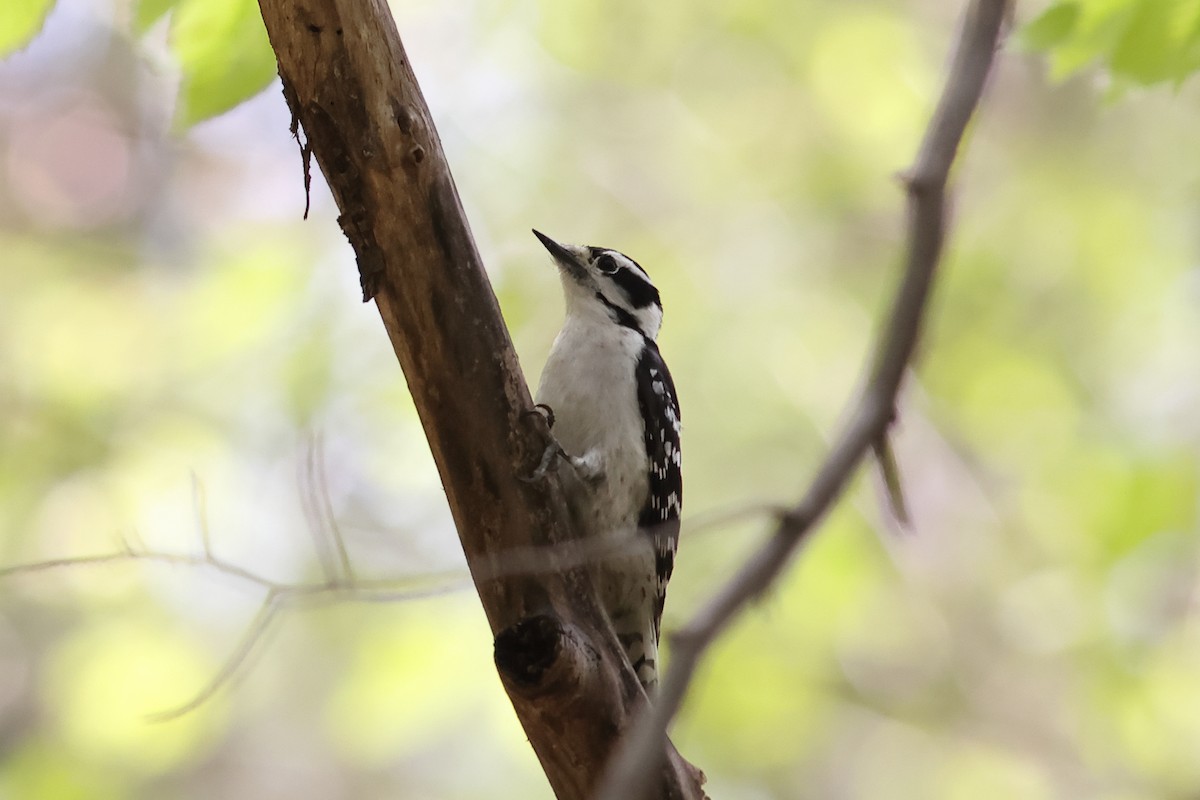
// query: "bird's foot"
[[553, 448]]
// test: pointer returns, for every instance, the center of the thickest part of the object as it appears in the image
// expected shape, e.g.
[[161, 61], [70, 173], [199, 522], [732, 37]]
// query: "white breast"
[[589, 383]]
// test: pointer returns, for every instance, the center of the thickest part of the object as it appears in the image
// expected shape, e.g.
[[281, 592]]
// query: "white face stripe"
[[623, 261], [627, 287]]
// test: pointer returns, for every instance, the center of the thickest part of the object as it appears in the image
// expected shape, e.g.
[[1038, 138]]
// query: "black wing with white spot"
[[664, 505]]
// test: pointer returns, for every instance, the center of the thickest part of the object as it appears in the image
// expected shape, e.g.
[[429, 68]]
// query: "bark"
[[349, 85]]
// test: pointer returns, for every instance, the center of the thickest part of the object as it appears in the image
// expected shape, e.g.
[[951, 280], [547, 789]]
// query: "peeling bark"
[[347, 80]]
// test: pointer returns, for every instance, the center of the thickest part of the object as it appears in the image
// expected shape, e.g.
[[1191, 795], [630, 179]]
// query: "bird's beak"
[[566, 258]]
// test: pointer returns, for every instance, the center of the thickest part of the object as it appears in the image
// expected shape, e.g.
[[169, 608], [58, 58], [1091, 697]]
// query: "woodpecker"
[[614, 412]]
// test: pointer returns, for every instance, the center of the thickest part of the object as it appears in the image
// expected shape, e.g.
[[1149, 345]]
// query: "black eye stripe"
[[633, 282], [640, 291], [620, 315]]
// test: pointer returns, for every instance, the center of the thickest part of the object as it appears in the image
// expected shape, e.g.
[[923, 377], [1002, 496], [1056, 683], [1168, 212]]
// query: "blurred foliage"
[[20, 20], [223, 52], [173, 338], [1144, 41], [220, 46], [225, 58]]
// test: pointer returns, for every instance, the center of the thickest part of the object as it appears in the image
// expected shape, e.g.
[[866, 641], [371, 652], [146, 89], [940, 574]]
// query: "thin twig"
[[720, 518], [279, 597], [282, 596], [534, 560], [326, 514], [889, 476], [239, 657], [279, 600], [306, 471], [635, 765], [200, 505], [225, 567]]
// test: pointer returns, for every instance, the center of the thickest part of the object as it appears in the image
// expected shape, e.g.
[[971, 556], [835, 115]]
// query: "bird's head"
[[602, 281]]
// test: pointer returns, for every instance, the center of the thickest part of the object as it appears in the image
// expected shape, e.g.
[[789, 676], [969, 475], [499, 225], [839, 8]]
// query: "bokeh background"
[[183, 358]]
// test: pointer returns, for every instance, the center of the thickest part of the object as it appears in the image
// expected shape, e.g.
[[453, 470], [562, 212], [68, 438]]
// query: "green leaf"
[[1140, 41], [1052, 27], [148, 12], [224, 53], [20, 21], [1151, 48], [1099, 26], [1190, 51]]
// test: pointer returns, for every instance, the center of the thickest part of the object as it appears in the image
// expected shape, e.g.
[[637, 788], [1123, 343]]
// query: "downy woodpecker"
[[615, 413]]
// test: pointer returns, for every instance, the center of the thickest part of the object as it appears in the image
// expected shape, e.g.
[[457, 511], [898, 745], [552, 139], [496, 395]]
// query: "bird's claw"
[[541, 410], [553, 448]]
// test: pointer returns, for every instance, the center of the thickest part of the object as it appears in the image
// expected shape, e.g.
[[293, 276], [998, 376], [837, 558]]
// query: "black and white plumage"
[[616, 415]]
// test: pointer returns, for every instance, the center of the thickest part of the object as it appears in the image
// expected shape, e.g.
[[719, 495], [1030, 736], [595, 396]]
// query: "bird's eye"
[[606, 264]]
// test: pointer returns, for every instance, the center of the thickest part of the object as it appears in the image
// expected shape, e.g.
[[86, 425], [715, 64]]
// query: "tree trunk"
[[349, 85]]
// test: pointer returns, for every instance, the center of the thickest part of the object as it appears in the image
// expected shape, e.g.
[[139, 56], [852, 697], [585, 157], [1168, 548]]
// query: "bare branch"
[[633, 771], [349, 84], [281, 597], [236, 660], [318, 513], [200, 505], [225, 567], [889, 475], [311, 506], [709, 521], [325, 506]]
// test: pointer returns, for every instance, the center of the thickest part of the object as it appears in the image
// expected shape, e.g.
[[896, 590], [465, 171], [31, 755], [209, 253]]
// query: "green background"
[[177, 347]]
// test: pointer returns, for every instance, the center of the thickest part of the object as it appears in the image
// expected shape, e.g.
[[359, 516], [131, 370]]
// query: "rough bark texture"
[[348, 82]]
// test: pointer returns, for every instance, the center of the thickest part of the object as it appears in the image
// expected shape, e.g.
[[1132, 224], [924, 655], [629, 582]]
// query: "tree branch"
[[278, 597], [638, 758], [348, 82]]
